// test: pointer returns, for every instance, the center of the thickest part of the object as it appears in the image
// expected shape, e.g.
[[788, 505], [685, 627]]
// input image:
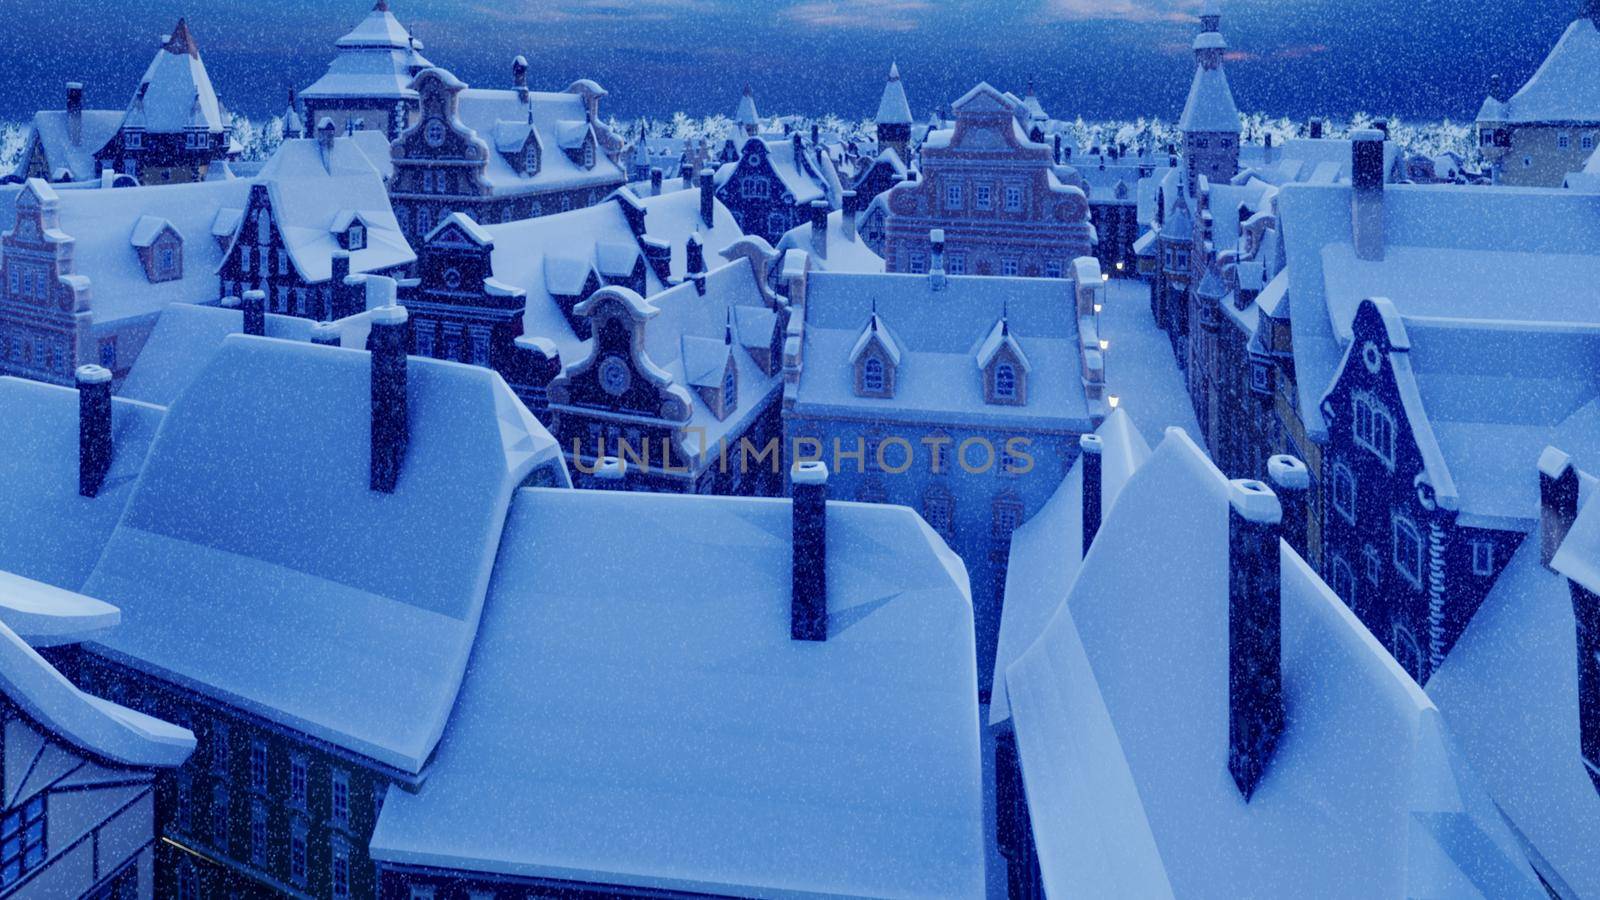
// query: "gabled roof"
[[380, 29], [175, 94], [1564, 89], [1210, 107], [558, 121], [1123, 733], [636, 781], [148, 228], [231, 574], [50, 128], [893, 107], [877, 333], [1000, 336]]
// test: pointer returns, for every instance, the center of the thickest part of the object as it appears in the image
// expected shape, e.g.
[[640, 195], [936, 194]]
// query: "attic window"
[[356, 237], [730, 392], [530, 159], [588, 154], [872, 381], [166, 266], [134, 139], [755, 187], [1005, 382]]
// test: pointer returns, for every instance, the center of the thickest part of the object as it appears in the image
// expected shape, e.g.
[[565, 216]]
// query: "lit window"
[[1408, 550], [1005, 382], [22, 833], [258, 765], [1013, 199], [1344, 492], [1483, 557], [341, 798], [952, 196], [1373, 427], [872, 375]]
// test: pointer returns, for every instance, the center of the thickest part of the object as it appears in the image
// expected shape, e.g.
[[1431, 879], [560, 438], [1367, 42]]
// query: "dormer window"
[[875, 357], [134, 139], [730, 391], [588, 154], [530, 159], [1005, 382], [167, 265], [1004, 367], [356, 237]]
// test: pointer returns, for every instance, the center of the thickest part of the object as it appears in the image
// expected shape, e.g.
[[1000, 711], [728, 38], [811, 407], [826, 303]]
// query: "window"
[[452, 344], [341, 799], [983, 196], [938, 508], [219, 749], [135, 139], [730, 391], [952, 196], [1564, 141], [297, 852], [297, 781], [258, 834], [1483, 557], [1408, 550], [1010, 267], [1344, 581], [427, 181], [530, 159], [1344, 492], [1053, 269], [108, 353], [1005, 382], [1013, 199], [22, 841], [167, 262], [480, 348], [872, 376], [755, 187], [588, 154], [258, 765], [357, 237], [1007, 516], [424, 220], [339, 871], [1586, 142], [283, 262], [958, 264], [424, 335], [219, 817], [777, 223], [1373, 427], [919, 263], [1373, 562]]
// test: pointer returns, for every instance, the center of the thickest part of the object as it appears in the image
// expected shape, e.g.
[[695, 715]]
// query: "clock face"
[[614, 376]]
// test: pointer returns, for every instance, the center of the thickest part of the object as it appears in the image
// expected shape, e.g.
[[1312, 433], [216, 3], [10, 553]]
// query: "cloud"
[[1121, 10], [560, 11], [875, 15]]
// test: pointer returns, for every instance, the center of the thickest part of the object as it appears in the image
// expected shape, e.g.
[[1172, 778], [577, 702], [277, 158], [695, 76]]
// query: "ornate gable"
[[617, 375]]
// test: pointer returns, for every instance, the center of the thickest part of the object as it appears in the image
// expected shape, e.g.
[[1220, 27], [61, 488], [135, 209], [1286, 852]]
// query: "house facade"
[[500, 155], [1550, 126], [771, 187], [368, 84], [997, 196]]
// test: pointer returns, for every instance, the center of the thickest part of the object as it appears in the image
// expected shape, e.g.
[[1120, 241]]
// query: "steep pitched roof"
[[51, 129], [893, 107], [1210, 107], [175, 94], [1564, 89], [560, 121]]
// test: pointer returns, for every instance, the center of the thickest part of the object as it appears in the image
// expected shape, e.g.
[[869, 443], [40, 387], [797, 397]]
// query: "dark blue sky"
[[1096, 58]]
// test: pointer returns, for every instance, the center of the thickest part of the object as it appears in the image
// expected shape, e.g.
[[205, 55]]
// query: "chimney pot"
[[1255, 634], [708, 190], [1291, 480], [94, 428], [1558, 501], [655, 182], [808, 608], [1093, 486], [391, 432], [819, 227], [1366, 209], [255, 313], [936, 264]]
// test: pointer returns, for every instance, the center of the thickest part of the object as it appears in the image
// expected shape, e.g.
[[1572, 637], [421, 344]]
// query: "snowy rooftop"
[[53, 535], [1509, 691], [680, 739], [552, 115], [1317, 161], [941, 333], [1456, 253], [1046, 551], [1123, 732], [1210, 107], [845, 254], [175, 94], [50, 130], [893, 107], [795, 168], [1564, 89], [291, 589]]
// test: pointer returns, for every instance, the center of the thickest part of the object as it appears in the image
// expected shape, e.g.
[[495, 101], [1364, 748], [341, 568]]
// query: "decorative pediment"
[[618, 375]]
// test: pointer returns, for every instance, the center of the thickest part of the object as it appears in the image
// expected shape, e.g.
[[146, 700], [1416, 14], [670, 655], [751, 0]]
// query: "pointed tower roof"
[[1565, 88], [894, 108], [1030, 101], [1210, 107], [380, 29], [747, 114], [176, 93], [377, 59]]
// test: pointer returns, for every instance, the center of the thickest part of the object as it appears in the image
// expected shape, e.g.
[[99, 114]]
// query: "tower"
[[1210, 121], [746, 116], [894, 116]]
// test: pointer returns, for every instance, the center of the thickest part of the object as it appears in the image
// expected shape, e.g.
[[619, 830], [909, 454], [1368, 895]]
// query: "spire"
[[894, 108], [180, 42], [1005, 317], [727, 329], [381, 6]]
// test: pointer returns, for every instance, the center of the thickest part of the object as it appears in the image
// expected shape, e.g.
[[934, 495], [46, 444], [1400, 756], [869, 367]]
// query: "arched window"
[[1373, 427], [530, 159], [1408, 550], [1344, 492], [1005, 382], [1344, 581], [872, 380], [588, 154], [1405, 650], [730, 391]]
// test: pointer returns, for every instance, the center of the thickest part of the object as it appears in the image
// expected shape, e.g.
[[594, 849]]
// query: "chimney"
[[344, 301], [1316, 129], [819, 228], [655, 182], [694, 255], [519, 77], [1382, 125], [1057, 156], [1291, 480], [1558, 501], [75, 112], [325, 334], [847, 217], [94, 428], [708, 197], [1093, 486], [1366, 199], [816, 137], [1255, 684], [391, 429], [808, 605], [326, 131], [936, 262], [255, 313]]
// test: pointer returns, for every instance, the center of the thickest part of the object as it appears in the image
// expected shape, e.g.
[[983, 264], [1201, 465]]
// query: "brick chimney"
[[936, 261], [391, 428], [694, 258], [708, 196], [1558, 501], [655, 182], [819, 228], [519, 77], [1093, 486], [1291, 480], [94, 428], [75, 112], [847, 215], [1366, 198], [343, 297], [1255, 681], [808, 606], [255, 313]]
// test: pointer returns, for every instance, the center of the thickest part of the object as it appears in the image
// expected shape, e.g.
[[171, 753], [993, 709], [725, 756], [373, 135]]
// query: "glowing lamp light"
[[1119, 265], [1114, 400], [1105, 345], [1105, 276], [1099, 306]]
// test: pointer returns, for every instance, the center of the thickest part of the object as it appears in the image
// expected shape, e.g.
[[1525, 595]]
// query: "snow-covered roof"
[[1047, 550], [893, 107], [1509, 691], [845, 254], [1313, 160], [45, 615], [1001, 336], [52, 534], [50, 127], [175, 94], [380, 29], [746, 113], [1123, 733], [1457, 252], [709, 752], [560, 250], [876, 332], [558, 118], [1210, 107], [1564, 89], [234, 570], [940, 333], [317, 193], [102, 223]]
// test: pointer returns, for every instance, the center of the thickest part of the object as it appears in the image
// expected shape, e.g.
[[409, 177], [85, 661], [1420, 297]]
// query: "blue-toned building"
[[771, 187]]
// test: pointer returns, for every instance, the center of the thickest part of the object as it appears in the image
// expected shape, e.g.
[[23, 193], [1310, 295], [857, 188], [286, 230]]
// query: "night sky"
[[1095, 58]]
